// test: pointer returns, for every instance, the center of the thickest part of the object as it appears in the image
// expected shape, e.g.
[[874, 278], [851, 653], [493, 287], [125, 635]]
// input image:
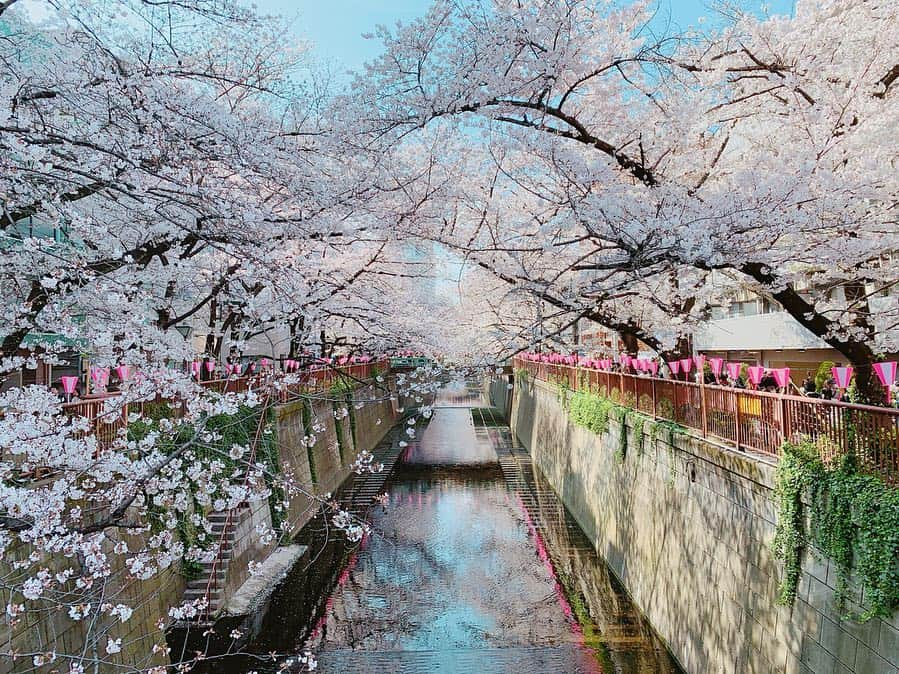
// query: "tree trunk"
[[683, 348], [630, 342], [858, 352]]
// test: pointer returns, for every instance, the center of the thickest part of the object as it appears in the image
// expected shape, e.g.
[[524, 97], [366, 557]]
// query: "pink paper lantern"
[[686, 365], [69, 384], [210, 365], [886, 373], [733, 371], [674, 366], [700, 361], [782, 376], [756, 372], [842, 376], [716, 364], [100, 375], [123, 372], [264, 362], [654, 367]]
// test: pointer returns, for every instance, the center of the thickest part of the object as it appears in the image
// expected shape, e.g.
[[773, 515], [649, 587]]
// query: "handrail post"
[[654, 405], [784, 421], [702, 405], [675, 387], [736, 396]]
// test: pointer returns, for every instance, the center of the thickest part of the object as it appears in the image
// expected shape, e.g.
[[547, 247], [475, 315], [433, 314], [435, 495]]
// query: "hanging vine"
[[853, 520]]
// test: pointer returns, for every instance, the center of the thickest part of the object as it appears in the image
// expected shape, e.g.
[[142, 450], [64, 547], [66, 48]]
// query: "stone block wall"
[[687, 527], [248, 544], [320, 469], [51, 629], [500, 395]]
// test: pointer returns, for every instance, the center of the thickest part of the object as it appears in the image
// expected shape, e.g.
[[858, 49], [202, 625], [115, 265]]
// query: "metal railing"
[[751, 420], [106, 426]]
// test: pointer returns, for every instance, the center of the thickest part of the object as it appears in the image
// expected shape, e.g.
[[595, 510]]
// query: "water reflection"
[[452, 567], [450, 439], [475, 566]]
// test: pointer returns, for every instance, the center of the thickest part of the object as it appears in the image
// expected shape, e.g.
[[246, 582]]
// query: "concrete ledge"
[[258, 587]]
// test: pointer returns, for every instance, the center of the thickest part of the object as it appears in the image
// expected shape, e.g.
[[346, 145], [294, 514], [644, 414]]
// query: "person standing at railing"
[[808, 386]]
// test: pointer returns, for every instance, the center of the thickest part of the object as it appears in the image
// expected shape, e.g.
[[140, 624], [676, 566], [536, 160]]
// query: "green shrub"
[[823, 373]]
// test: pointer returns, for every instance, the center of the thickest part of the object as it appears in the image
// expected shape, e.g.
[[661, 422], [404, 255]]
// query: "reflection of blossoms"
[[307, 662]]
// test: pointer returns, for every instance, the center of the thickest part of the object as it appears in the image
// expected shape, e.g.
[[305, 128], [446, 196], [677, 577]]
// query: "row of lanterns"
[[885, 371], [100, 375]]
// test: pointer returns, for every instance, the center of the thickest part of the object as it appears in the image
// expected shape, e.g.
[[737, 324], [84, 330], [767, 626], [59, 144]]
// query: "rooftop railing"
[[753, 421]]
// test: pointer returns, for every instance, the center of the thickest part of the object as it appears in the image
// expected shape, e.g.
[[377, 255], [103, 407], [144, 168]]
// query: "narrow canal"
[[473, 566]]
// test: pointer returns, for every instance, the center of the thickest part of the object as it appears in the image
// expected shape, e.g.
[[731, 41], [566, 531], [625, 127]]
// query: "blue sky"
[[335, 27]]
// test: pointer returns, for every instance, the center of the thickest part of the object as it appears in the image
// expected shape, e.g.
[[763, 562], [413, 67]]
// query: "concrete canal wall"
[[687, 527], [322, 468]]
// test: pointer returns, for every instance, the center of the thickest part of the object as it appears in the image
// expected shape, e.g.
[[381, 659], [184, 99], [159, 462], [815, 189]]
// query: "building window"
[[40, 229]]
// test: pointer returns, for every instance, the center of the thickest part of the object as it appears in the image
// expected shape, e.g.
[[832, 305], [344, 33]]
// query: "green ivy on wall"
[[853, 520], [593, 412], [590, 411], [307, 431], [227, 430], [342, 391]]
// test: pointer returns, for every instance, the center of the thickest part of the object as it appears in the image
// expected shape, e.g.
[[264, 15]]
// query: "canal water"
[[473, 565]]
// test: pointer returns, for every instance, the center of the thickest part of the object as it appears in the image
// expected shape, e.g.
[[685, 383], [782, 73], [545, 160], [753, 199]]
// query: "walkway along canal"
[[473, 565]]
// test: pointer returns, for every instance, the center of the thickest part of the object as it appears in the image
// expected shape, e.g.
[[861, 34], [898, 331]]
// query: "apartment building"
[[753, 329]]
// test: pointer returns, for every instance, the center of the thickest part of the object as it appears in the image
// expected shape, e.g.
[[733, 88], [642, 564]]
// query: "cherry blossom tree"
[[762, 149]]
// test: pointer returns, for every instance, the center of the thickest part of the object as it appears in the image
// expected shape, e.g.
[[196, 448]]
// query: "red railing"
[[751, 420], [316, 378]]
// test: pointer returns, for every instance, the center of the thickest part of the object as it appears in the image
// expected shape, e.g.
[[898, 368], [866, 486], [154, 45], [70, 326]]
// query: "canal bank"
[[687, 527]]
